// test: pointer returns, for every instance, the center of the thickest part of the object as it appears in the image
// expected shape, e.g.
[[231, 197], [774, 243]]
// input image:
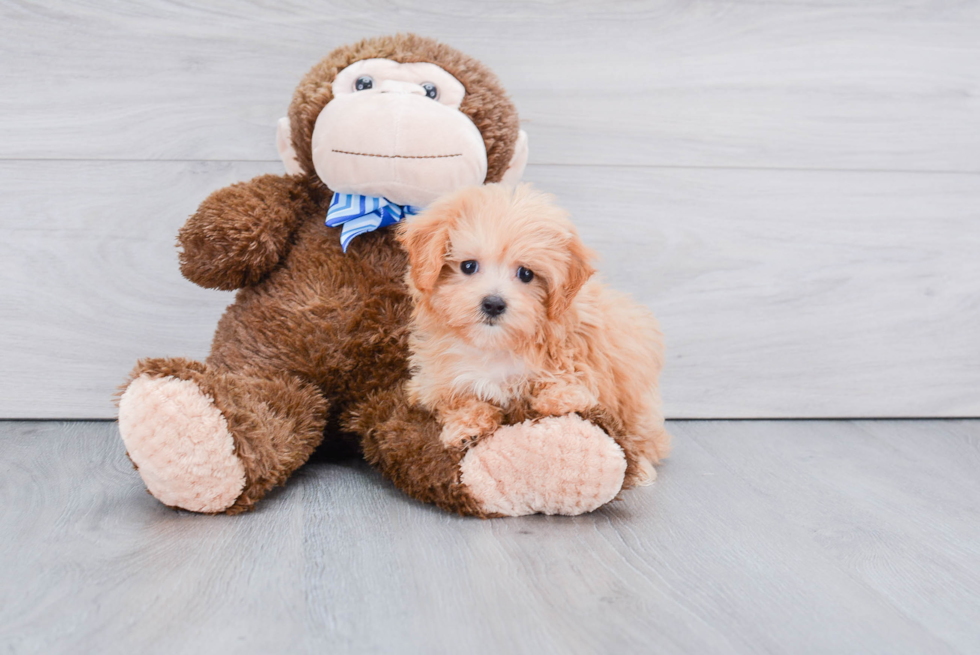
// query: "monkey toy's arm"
[[240, 233]]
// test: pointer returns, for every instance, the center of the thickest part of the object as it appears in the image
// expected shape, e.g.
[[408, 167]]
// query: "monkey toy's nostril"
[[493, 306]]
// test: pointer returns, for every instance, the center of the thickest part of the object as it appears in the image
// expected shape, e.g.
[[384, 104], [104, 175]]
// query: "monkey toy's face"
[[395, 130]]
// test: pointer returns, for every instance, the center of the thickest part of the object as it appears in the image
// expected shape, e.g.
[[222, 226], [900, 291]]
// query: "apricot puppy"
[[506, 313]]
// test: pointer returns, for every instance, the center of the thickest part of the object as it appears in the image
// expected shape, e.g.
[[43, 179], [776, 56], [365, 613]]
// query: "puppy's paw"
[[646, 474], [561, 399], [465, 426]]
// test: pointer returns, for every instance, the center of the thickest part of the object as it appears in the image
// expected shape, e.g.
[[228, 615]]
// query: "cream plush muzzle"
[[392, 140]]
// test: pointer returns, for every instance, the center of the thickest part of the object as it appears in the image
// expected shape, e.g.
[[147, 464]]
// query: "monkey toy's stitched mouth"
[[368, 154]]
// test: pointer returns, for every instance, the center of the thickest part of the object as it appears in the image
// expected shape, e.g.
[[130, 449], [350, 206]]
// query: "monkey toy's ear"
[[284, 144], [515, 170]]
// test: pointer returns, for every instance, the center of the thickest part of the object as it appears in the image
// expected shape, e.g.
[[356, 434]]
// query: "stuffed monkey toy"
[[314, 347]]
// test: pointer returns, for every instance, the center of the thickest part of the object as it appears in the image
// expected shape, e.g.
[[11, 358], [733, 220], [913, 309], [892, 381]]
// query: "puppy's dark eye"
[[525, 274], [363, 83], [469, 267], [430, 90]]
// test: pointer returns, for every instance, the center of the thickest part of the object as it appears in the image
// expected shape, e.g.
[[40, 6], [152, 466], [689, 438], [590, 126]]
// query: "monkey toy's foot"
[[556, 465], [180, 444], [214, 440]]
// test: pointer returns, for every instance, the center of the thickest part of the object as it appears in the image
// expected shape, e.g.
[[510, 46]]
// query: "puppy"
[[506, 313]]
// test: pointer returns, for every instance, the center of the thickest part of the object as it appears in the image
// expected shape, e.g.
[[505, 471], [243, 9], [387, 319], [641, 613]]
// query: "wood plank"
[[821, 84], [757, 537], [782, 294], [894, 503], [92, 268], [795, 294]]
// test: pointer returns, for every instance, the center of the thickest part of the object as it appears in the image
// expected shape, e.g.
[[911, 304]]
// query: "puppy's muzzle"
[[493, 306]]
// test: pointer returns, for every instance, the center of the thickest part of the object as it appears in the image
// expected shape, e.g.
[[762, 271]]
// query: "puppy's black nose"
[[493, 306]]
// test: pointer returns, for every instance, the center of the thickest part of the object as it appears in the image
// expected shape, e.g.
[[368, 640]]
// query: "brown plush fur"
[[315, 343], [242, 232]]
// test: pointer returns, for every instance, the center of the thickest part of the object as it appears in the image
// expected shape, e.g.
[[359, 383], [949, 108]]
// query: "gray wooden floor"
[[758, 537]]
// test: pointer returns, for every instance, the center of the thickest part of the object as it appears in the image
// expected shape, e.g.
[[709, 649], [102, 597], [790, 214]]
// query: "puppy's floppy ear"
[[563, 291], [425, 237]]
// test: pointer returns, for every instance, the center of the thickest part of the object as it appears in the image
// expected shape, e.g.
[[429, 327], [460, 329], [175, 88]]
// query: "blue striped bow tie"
[[360, 214]]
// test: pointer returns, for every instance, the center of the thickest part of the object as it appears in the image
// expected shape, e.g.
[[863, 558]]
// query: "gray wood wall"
[[794, 188]]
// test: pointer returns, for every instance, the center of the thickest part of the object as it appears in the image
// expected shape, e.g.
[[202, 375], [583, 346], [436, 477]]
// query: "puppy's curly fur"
[[507, 314]]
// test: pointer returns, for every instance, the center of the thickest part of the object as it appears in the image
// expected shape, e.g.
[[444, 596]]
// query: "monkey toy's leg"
[[557, 465], [210, 440]]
